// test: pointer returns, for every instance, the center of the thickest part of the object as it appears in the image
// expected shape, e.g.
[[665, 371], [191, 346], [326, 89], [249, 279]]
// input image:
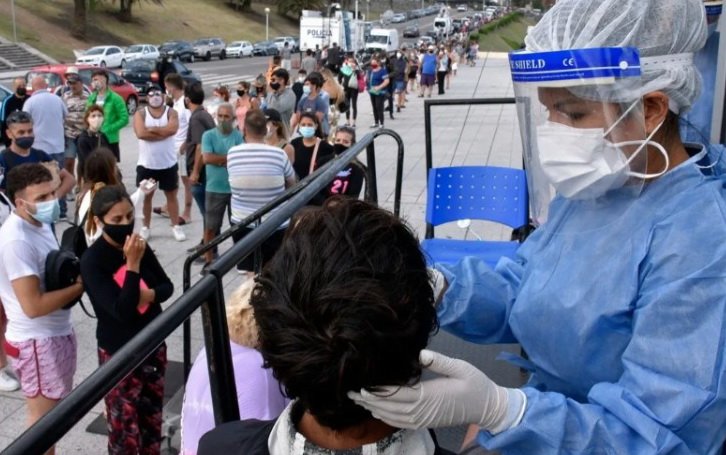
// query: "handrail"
[[208, 292]]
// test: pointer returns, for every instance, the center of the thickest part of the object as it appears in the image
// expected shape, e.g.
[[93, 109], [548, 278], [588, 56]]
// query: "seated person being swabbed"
[[346, 303]]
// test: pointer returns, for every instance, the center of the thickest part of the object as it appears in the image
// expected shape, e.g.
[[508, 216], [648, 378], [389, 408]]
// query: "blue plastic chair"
[[474, 192]]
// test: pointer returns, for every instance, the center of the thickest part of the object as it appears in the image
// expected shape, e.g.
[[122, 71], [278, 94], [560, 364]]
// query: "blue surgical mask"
[[306, 89], [307, 131], [46, 212]]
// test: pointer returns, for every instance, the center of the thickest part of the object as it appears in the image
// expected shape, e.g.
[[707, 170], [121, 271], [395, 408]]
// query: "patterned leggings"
[[134, 407]]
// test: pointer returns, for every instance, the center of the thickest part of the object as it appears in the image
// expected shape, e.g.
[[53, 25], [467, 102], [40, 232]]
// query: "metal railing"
[[207, 293]]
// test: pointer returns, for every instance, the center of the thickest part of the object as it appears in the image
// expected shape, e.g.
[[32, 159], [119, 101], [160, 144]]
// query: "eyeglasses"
[[18, 117]]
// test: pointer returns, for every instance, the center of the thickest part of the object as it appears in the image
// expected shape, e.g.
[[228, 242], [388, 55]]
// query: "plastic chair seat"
[[450, 251]]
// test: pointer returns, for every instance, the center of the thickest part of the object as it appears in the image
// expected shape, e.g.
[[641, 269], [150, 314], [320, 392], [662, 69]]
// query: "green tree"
[[295, 7], [125, 7], [78, 28]]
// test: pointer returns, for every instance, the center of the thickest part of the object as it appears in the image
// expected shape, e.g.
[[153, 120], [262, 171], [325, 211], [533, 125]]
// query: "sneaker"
[[205, 269], [8, 383], [179, 234], [63, 217], [375, 125], [145, 233]]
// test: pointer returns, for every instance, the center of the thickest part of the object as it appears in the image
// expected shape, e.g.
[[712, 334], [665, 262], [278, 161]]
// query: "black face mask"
[[21, 92], [119, 232], [339, 148], [274, 85], [240, 93]]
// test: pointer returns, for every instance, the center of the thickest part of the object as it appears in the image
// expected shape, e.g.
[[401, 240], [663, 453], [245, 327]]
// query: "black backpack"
[[62, 268]]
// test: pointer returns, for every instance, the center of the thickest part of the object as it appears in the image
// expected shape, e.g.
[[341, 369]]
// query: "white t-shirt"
[[183, 113], [23, 250], [157, 154]]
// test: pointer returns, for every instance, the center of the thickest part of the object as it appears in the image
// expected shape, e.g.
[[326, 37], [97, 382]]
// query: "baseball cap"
[[72, 74], [272, 114]]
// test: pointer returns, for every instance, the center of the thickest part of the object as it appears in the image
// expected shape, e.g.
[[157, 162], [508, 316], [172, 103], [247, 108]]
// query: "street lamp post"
[[368, 9], [267, 24], [12, 11]]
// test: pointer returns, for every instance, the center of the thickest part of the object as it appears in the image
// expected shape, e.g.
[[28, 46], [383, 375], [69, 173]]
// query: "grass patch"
[[505, 38], [175, 19]]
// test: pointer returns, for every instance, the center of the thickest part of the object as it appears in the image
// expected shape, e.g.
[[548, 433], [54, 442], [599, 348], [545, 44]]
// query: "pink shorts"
[[44, 366]]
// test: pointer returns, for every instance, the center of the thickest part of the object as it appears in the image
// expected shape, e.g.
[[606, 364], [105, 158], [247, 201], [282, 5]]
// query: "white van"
[[385, 39]]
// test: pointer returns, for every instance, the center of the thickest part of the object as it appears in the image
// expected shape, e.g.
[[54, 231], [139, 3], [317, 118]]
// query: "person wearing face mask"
[[126, 286], [258, 174], [618, 296], [243, 103], [309, 147], [399, 65], [314, 101], [216, 144], [427, 72], [349, 181], [348, 78], [10, 104], [378, 82], [220, 95], [297, 86], [39, 338], [115, 114], [155, 127], [442, 69], [277, 133], [21, 151], [280, 97], [91, 138]]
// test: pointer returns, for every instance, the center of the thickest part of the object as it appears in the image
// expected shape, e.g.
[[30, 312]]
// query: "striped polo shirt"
[[257, 174]]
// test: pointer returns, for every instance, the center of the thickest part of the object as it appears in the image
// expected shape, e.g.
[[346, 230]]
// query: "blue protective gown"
[[621, 305]]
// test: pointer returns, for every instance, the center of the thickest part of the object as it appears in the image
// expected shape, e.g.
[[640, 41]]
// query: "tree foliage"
[[295, 7]]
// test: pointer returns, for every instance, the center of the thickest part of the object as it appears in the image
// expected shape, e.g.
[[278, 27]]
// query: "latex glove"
[[462, 395]]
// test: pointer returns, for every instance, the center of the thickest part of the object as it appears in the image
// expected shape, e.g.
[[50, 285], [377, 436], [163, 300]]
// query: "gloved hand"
[[462, 395]]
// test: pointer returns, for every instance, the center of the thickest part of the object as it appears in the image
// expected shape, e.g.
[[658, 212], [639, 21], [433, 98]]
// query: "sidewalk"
[[461, 135]]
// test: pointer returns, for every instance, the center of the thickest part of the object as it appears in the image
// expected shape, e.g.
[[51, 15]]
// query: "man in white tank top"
[[156, 127]]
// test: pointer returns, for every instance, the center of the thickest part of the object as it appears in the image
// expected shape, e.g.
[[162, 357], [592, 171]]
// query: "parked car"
[[239, 49], [425, 41], [461, 7], [182, 50], [206, 48], [292, 43], [148, 51], [265, 48], [411, 31], [398, 18], [55, 76], [103, 56], [144, 72]]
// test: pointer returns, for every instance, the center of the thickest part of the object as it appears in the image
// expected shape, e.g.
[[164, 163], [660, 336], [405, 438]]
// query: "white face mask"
[[581, 164], [95, 123]]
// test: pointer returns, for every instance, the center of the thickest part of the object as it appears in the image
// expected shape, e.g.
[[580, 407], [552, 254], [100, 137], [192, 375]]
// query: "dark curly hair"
[[345, 304]]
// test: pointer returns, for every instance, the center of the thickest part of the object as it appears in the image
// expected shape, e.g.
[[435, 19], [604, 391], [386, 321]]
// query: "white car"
[[291, 43], [103, 56], [148, 51], [239, 49]]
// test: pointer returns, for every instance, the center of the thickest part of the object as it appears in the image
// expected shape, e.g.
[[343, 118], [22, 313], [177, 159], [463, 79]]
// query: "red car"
[[55, 76]]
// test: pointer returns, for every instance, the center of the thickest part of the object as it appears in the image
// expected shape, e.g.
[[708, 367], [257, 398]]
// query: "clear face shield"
[[582, 124]]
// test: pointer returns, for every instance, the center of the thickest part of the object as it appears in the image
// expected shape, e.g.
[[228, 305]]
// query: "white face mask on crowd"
[[581, 163]]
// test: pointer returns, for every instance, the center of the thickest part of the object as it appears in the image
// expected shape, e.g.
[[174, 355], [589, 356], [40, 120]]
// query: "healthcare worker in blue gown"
[[619, 297]]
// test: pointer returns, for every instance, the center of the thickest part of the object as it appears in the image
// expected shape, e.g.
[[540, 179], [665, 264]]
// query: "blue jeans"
[[199, 195]]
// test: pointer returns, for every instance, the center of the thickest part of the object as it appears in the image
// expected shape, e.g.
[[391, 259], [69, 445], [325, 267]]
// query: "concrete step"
[[15, 57]]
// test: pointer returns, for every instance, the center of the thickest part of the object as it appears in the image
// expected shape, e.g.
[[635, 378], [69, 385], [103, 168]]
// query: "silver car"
[[206, 48]]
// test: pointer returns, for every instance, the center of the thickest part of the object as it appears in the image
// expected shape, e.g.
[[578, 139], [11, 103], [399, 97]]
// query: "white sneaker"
[[7, 382], [179, 234], [145, 233]]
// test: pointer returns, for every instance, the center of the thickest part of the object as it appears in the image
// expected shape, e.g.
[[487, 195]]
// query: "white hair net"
[[658, 28]]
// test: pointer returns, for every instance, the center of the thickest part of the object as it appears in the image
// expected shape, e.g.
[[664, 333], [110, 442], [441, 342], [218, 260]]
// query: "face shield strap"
[[643, 144], [624, 114]]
